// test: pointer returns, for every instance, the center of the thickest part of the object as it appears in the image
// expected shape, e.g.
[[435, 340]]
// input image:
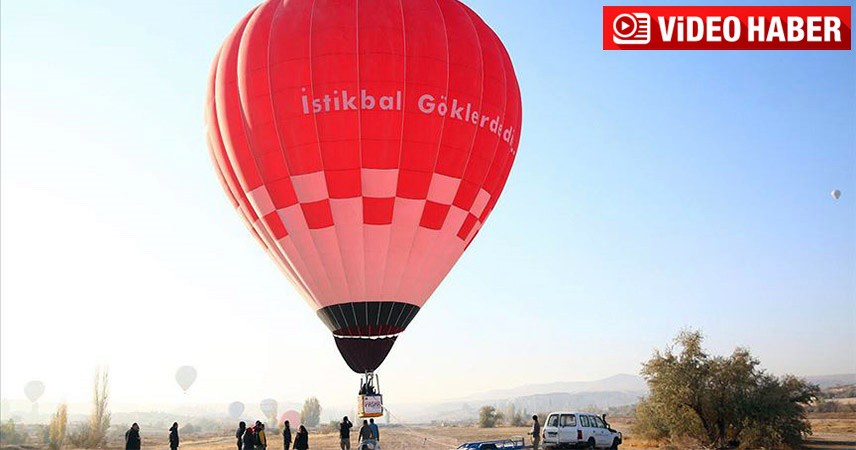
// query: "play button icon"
[[631, 28], [624, 26]]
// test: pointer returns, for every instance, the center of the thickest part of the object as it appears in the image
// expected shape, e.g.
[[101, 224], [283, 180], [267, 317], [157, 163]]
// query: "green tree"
[[489, 417], [716, 399], [59, 422], [311, 413]]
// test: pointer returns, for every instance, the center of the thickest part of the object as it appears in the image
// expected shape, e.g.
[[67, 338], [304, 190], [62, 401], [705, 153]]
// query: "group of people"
[[133, 441], [254, 438], [368, 437]]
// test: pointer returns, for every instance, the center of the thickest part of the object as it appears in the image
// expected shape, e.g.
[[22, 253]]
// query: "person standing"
[[375, 431], [249, 439], [536, 433], [242, 427], [132, 438], [239, 434], [301, 440], [286, 435], [365, 432], [261, 439], [173, 436], [345, 433]]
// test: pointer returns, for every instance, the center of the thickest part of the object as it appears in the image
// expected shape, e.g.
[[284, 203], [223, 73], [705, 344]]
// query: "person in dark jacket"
[[132, 438], [366, 432], [301, 440], [536, 433], [242, 427], [345, 433], [286, 435], [173, 436], [249, 439]]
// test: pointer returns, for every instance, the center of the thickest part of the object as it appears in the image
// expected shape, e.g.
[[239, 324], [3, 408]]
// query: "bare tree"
[[94, 433], [99, 422]]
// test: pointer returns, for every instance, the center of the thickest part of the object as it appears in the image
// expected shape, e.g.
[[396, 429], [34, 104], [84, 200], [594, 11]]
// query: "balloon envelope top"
[[268, 407], [364, 144], [236, 409], [185, 376], [34, 390]]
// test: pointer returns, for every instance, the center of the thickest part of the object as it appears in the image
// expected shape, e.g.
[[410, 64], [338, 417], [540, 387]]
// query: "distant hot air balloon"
[[364, 147], [185, 376], [836, 194], [292, 416], [34, 390], [269, 407], [236, 409]]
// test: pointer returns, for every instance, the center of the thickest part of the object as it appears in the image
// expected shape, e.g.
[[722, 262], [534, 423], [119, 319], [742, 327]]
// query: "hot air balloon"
[[34, 390], [292, 416], [364, 147], [836, 194], [185, 376], [236, 409], [269, 407]]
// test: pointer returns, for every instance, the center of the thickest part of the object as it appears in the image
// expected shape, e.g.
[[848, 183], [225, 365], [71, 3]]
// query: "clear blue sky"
[[652, 191]]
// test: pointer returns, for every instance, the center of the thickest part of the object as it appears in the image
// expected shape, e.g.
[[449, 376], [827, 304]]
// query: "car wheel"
[[591, 444], [614, 444]]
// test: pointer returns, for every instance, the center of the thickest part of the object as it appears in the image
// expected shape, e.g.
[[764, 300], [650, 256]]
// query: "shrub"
[[489, 417], [10, 435], [718, 400]]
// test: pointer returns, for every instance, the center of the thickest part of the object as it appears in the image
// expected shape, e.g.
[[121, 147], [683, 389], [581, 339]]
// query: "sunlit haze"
[[653, 191]]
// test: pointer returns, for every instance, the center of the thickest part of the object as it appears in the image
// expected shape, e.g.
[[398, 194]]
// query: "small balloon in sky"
[[185, 376], [34, 390], [836, 194], [236, 409], [268, 407]]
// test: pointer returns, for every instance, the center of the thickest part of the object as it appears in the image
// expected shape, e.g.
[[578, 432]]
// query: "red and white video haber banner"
[[726, 28]]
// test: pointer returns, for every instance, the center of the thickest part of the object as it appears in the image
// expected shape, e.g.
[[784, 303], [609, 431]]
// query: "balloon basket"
[[370, 400]]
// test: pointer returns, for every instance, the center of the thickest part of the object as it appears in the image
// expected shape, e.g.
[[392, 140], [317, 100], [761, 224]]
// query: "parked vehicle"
[[514, 443], [579, 430]]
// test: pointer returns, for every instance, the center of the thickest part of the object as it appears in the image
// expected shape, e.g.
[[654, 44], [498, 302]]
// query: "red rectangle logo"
[[726, 28]]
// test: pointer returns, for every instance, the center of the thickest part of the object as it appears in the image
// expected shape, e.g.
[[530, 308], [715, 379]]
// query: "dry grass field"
[[832, 431]]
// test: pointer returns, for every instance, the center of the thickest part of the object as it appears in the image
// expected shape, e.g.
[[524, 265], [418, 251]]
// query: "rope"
[[425, 438]]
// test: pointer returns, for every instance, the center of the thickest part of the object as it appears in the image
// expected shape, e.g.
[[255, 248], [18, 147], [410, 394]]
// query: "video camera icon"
[[632, 29]]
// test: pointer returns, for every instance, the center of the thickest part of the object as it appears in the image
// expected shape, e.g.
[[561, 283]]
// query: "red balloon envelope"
[[365, 143], [292, 416]]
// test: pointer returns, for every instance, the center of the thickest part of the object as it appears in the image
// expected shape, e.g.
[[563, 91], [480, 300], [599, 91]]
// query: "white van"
[[578, 430]]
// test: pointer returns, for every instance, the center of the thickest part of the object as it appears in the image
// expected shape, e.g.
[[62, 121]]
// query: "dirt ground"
[[832, 431]]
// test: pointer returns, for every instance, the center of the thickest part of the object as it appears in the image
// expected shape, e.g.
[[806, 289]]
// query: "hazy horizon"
[[653, 191]]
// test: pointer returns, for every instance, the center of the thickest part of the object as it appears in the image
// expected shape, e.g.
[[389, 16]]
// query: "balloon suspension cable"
[[370, 384], [425, 437]]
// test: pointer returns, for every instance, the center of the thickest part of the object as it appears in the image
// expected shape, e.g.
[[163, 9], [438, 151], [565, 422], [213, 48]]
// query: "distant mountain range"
[[826, 381], [615, 391], [616, 383]]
